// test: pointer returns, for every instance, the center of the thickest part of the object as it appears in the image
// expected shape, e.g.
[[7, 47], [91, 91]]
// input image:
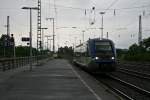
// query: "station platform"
[[54, 80]]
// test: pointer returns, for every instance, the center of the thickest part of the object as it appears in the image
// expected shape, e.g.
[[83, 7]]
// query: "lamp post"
[[75, 39], [102, 13], [107, 35], [53, 33], [83, 35], [50, 43], [30, 8], [43, 37], [47, 36]]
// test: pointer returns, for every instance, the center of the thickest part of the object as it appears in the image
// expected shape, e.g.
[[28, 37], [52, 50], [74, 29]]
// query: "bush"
[[138, 57], [138, 52]]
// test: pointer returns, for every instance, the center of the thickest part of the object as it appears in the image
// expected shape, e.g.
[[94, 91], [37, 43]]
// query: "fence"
[[12, 63]]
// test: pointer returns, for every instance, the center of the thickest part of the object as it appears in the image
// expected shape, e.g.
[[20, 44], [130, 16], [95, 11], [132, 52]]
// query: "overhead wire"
[[131, 23], [128, 8], [56, 20], [93, 2], [77, 8], [108, 8], [112, 4]]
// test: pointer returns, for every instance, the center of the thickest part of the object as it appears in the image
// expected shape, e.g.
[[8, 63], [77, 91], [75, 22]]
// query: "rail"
[[134, 73], [140, 90]]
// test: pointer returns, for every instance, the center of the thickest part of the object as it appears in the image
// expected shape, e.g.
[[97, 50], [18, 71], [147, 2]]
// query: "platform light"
[[30, 33]]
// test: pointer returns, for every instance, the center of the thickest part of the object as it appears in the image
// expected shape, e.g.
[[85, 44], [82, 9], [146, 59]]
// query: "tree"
[[65, 51], [22, 51], [134, 49], [146, 43]]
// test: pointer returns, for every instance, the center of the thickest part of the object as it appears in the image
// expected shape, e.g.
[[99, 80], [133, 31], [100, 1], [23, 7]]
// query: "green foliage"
[[22, 51], [138, 57], [6, 51], [6, 46], [135, 49], [146, 42], [121, 53], [65, 52], [137, 52]]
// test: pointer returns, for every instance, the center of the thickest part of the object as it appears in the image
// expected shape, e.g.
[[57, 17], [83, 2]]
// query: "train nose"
[[107, 67]]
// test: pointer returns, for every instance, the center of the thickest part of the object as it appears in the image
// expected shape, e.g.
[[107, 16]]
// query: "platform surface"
[[55, 80]]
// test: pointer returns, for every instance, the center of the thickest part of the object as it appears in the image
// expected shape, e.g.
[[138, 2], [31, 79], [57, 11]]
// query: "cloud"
[[68, 15]]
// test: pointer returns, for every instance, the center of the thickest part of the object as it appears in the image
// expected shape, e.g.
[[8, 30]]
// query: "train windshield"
[[103, 46]]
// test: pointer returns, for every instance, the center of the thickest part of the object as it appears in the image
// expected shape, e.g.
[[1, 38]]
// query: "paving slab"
[[54, 80]]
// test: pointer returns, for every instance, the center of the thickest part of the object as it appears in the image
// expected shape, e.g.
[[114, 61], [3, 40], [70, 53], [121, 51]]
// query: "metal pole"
[[30, 34], [75, 41], [42, 39], [38, 31], [102, 27], [140, 30], [107, 35], [30, 39], [42, 42], [14, 50], [53, 37], [50, 45], [8, 26], [47, 43], [14, 54], [83, 35], [73, 46], [53, 33]]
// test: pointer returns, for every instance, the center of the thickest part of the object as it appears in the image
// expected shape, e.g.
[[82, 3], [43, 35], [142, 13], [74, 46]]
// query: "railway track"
[[129, 88], [127, 83], [142, 91], [134, 73], [116, 90], [142, 67]]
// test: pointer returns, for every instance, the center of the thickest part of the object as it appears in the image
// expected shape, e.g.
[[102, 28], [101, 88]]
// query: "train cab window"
[[103, 46]]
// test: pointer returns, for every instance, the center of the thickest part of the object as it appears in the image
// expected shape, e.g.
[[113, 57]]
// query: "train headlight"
[[96, 58], [112, 58]]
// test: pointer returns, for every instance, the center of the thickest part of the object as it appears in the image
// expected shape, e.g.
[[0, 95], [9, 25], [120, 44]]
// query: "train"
[[96, 55]]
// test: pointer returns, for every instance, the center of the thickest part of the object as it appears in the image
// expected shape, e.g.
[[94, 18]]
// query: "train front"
[[103, 55]]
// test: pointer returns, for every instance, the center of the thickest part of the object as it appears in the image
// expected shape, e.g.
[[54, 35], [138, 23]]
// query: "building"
[[7, 44]]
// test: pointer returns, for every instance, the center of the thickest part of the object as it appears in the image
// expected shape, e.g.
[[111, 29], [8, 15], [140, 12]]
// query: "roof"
[[99, 39]]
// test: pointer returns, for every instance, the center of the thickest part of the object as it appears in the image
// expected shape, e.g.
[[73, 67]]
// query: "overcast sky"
[[120, 19]]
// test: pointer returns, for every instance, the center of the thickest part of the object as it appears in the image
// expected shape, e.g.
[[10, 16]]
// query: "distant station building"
[[7, 44]]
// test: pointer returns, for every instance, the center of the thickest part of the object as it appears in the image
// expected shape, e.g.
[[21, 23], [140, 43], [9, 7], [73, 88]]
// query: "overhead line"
[[127, 8], [144, 6], [114, 2]]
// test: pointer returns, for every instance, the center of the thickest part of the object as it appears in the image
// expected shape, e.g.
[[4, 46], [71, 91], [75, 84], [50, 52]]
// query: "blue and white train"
[[96, 55]]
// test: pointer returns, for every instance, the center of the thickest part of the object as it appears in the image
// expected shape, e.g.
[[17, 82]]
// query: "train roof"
[[99, 39], [94, 39]]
